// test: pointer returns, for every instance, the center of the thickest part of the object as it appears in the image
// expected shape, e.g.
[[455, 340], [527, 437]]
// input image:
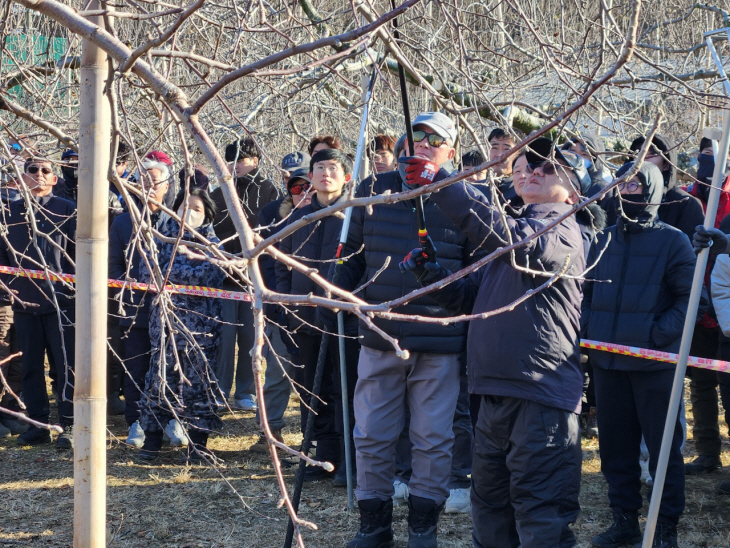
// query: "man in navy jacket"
[[524, 362], [41, 234]]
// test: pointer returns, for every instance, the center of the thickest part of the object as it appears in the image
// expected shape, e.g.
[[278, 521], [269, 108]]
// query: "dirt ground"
[[168, 504]]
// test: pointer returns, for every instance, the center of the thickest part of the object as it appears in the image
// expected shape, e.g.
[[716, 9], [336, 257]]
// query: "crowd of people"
[[483, 415]]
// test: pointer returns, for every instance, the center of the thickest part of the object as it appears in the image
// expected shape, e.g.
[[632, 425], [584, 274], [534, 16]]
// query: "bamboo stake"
[[91, 300]]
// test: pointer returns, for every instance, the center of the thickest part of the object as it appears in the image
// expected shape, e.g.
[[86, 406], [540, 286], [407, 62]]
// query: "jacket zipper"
[[620, 296]]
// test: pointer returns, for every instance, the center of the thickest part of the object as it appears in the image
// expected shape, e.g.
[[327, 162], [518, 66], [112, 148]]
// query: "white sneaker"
[[459, 501], [136, 435], [246, 403], [645, 475], [401, 493], [175, 432]]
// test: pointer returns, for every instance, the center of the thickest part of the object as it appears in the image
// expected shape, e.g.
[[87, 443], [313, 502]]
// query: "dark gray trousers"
[[525, 475]]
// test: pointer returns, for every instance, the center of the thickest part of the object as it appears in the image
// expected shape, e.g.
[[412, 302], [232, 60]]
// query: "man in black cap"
[[524, 362]]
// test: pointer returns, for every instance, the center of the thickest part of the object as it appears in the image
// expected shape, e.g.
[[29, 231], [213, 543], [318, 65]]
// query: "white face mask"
[[193, 219]]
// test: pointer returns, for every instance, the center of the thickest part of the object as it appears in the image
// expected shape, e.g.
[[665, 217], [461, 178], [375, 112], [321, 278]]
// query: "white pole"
[[91, 299]]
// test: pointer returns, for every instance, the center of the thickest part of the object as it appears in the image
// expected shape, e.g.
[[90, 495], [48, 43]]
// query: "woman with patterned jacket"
[[184, 335]]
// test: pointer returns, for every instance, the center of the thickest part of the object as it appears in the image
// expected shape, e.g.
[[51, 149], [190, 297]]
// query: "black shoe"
[[704, 464], [724, 487], [114, 404], [35, 436], [624, 531], [423, 518], [340, 479], [317, 473], [376, 520], [151, 447], [66, 439], [665, 535], [14, 425]]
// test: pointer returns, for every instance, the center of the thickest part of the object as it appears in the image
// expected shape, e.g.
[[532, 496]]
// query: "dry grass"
[[168, 504]]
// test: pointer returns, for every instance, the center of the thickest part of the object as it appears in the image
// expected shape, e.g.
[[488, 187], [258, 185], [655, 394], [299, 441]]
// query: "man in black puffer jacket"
[[315, 245], [525, 361], [43, 310], [428, 380], [678, 209], [650, 266]]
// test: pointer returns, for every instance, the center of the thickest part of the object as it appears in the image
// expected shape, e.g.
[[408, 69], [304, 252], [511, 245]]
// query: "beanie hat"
[[158, 160], [705, 143]]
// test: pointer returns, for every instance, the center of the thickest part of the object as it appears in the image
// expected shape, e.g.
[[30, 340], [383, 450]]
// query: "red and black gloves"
[[420, 172], [422, 264]]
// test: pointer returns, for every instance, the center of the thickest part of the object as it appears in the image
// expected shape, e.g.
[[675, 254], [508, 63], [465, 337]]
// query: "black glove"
[[327, 318], [713, 238], [420, 263]]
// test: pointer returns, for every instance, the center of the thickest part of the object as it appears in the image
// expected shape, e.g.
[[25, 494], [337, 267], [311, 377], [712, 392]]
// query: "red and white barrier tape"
[[194, 290], [656, 355], [198, 291]]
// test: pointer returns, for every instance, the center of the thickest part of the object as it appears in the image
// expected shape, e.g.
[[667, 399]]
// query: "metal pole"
[[308, 431], [357, 172], [91, 299], [689, 324]]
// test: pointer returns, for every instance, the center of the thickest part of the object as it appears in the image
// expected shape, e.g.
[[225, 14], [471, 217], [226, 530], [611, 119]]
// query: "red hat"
[[159, 156]]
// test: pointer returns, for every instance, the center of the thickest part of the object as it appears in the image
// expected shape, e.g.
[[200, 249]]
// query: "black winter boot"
[[665, 534], [197, 450], [423, 518], [152, 445], [376, 520], [624, 531]]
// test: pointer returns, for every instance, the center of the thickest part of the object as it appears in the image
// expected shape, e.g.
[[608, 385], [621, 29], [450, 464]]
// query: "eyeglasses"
[[296, 190], [631, 186], [434, 139], [35, 169]]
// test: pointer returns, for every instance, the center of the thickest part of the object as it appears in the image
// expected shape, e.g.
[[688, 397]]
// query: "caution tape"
[[656, 355], [193, 290], [198, 291]]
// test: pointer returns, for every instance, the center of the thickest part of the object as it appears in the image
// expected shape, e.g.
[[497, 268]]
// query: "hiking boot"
[[262, 446], [4, 432], [14, 425], [65, 440], [175, 432], [114, 404], [423, 518], [136, 435], [459, 501], [624, 531], [665, 535], [704, 464], [151, 447], [35, 436], [400, 496], [724, 487], [376, 520]]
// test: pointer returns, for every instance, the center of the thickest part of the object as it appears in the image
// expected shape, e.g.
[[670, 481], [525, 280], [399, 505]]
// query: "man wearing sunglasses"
[[427, 381], [48, 323], [524, 363]]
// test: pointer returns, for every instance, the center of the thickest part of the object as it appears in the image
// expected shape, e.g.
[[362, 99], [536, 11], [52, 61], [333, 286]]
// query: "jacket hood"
[[653, 185], [287, 204], [667, 147]]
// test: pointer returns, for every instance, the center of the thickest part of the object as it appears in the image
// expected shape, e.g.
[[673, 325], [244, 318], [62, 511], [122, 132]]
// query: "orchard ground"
[[169, 504]]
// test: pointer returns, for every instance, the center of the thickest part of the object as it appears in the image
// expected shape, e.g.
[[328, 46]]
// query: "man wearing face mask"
[[706, 338], [650, 265], [254, 191]]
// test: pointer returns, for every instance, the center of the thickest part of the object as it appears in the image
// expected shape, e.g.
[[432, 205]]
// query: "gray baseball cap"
[[440, 123], [295, 160]]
